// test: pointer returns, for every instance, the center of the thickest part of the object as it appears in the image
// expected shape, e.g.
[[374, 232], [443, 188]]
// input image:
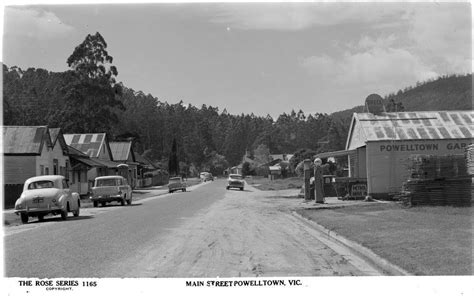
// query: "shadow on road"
[[58, 219]]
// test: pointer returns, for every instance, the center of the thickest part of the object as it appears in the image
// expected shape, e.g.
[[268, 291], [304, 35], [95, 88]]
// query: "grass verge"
[[266, 184], [421, 240]]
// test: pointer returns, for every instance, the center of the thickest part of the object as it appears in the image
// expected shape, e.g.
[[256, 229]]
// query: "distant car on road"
[[45, 195], [235, 181], [205, 176], [111, 188], [175, 184]]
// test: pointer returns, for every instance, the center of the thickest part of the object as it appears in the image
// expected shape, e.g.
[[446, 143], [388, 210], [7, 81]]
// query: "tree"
[[246, 170], [173, 163], [393, 106], [92, 95], [262, 154]]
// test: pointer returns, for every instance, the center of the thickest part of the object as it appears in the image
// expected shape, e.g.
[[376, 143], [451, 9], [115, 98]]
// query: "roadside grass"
[[421, 240], [266, 184]]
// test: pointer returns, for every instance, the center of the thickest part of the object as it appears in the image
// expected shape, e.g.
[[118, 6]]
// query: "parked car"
[[111, 188], [205, 176], [44, 195], [175, 184], [235, 181]]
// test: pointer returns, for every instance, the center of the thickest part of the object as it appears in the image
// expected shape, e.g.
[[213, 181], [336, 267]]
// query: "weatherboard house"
[[379, 146], [91, 157], [30, 151]]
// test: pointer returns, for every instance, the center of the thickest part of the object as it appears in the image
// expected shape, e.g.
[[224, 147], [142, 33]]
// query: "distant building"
[[122, 152]]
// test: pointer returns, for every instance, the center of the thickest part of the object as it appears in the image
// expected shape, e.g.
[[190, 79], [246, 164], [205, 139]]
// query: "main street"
[[205, 232]]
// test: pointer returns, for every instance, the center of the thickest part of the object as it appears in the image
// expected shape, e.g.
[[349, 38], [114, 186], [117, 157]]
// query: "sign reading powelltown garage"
[[425, 147]]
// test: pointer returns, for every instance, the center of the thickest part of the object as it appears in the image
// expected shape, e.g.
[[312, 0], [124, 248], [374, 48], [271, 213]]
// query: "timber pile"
[[470, 159], [437, 180], [435, 166]]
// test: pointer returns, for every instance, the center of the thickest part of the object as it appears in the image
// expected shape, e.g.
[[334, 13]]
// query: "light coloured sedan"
[[235, 181], [44, 195]]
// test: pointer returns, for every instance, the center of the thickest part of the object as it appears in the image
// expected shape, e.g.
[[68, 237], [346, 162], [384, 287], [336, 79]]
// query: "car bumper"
[[234, 185], [106, 198], [39, 211]]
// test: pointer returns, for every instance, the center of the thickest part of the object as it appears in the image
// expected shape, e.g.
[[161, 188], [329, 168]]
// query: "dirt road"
[[247, 233]]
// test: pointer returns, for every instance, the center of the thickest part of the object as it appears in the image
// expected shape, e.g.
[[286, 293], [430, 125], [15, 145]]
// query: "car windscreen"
[[238, 177], [175, 180], [41, 185], [106, 182]]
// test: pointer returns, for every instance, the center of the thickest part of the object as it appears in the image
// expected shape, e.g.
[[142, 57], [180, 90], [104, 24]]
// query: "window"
[[79, 176], [41, 170], [41, 185], [55, 166], [46, 170], [65, 184]]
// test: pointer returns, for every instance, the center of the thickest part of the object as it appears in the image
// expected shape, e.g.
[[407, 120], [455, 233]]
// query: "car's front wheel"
[[40, 218], [24, 218], [241, 188], [122, 201], [129, 201], [96, 204], [227, 187]]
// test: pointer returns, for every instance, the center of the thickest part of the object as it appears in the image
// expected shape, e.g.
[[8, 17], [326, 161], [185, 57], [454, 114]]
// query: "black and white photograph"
[[318, 147]]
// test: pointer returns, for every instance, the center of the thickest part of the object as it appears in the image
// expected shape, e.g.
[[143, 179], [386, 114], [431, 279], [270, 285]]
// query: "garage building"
[[378, 147]]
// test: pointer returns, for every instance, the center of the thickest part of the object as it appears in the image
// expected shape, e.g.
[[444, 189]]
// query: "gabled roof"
[[89, 144], [122, 151], [422, 125], [25, 140], [55, 135]]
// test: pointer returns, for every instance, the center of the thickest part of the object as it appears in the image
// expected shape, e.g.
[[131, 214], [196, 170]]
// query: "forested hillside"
[[87, 99]]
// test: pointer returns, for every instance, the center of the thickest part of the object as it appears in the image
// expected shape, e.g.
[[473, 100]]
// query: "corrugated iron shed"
[[421, 125], [25, 140], [121, 151], [89, 144]]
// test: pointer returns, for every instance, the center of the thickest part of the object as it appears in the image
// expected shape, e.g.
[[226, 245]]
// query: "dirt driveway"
[[249, 233]]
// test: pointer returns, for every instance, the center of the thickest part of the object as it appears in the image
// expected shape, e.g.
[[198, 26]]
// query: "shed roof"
[[121, 151], [89, 144], [421, 125], [26, 140]]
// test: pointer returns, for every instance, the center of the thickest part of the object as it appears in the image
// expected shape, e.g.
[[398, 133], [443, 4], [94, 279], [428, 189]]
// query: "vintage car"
[[45, 195], [175, 184], [235, 181], [205, 176], [111, 188]]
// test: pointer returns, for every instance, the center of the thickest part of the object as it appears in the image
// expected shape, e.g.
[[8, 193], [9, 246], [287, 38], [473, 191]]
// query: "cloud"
[[373, 68], [35, 23], [298, 16], [441, 34]]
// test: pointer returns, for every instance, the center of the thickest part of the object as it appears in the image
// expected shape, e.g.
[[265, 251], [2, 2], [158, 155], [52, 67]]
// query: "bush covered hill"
[[444, 93]]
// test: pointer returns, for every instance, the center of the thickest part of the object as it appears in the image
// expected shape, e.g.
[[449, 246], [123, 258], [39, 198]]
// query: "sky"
[[261, 58]]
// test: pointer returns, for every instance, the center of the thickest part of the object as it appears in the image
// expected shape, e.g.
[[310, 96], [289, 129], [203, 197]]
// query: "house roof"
[[422, 125], [106, 163], [89, 144], [121, 151], [25, 140], [74, 152], [55, 135]]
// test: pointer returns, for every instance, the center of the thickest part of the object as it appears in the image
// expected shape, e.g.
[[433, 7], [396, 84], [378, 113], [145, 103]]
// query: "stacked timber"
[[437, 180], [470, 159]]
